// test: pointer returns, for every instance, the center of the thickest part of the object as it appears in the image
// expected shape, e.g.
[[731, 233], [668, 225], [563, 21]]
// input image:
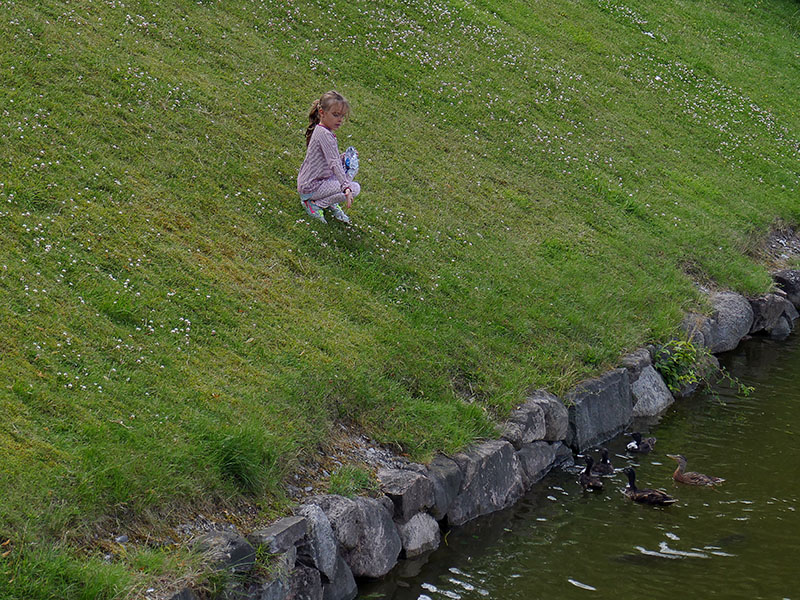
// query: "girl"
[[322, 181]]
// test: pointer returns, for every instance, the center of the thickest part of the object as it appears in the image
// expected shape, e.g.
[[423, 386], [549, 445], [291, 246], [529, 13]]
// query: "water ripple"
[[583, 586]]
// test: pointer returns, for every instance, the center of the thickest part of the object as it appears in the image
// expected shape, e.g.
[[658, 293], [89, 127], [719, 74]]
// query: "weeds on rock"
[[684, 365], [677, 361]]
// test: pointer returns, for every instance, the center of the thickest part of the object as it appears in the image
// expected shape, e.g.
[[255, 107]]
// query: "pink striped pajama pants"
[[330, 192]]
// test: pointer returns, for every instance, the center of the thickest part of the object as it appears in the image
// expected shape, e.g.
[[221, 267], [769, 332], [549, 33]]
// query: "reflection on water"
[[740, 539]]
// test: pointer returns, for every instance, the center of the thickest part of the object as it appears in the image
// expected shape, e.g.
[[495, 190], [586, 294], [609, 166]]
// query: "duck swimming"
[[690, 477], [645, 496], [587, 479], [640, 444], [604, 467]]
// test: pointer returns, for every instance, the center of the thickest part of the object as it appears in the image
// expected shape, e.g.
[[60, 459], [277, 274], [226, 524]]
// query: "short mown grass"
[[542, 181]]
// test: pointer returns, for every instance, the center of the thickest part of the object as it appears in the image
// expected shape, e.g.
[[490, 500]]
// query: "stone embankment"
[[319, 553]]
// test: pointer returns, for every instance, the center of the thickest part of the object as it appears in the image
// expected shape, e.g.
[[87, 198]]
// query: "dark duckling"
[[604, 467], [640, 444], [646, 496], [587, 480], [690, 477]]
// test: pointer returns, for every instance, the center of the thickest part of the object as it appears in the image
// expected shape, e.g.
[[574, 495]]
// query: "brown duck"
[[640, 444], [587, 479], [690, 477], [645, 496], [604, 467]]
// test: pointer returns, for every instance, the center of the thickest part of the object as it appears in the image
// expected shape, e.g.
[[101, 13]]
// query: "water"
[[739, 540]]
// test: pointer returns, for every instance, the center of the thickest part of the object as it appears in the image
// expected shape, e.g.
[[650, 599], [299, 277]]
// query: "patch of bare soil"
[[781, 246], [348, 446]]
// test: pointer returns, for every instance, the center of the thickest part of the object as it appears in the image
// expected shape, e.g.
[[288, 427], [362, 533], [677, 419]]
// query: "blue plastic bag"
[[350, 160]]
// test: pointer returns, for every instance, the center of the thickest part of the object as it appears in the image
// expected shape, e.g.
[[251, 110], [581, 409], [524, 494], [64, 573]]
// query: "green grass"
[[542, 181], [351, 480]]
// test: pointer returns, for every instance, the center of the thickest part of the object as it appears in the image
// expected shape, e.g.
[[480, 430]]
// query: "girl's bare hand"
[[348, 195]]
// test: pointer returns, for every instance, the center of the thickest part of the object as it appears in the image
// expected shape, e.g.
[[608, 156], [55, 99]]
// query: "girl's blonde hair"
[[326, 102]]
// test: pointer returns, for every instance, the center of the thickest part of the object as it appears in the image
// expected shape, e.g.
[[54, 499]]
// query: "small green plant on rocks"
[[677, 361], [683, 365]]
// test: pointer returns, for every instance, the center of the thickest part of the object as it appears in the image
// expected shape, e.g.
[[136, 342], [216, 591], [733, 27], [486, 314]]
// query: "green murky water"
[[740, 540]]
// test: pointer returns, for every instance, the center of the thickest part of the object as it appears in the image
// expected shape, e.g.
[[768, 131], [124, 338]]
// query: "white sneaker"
[[313, 210], [339, 214]]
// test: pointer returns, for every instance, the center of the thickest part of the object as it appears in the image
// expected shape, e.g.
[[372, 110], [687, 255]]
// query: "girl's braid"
[[313, 120]]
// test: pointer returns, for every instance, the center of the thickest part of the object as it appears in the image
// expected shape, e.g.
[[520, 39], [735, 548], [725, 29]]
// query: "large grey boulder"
[[305, 584], [343, 585], [410, 492], [278, 588], [564, 457], [556, 418], [419, 535], [782, 329], [280, 536], [185, 594], [651, 396], [768, 310], [789, 281], [446, 478], [367, 536], [730, 321], [525, 425], [318, 549], [599, 409], [227, 551], [492, 480], [697, 329], [791, 314], [635, 362], [536, 459]]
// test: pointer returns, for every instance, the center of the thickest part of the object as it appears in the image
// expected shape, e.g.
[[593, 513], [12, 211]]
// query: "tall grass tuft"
[[246, 457]]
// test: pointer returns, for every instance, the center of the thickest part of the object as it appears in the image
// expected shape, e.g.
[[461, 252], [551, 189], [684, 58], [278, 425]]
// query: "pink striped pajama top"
[[322, 161]]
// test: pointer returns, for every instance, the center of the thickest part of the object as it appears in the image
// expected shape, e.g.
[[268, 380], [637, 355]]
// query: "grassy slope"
[[539, 178]]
